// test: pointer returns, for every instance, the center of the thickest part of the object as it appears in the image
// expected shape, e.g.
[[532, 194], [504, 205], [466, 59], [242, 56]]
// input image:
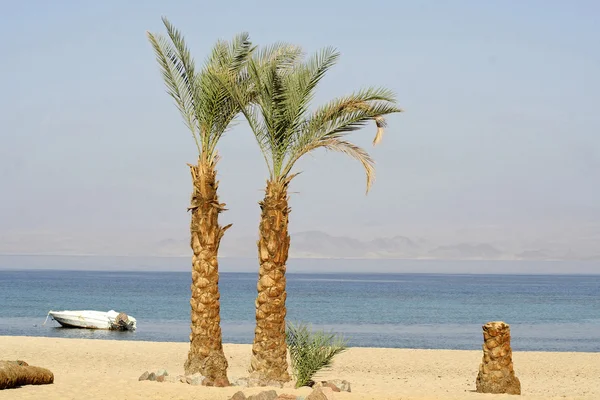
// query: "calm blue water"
[[547, 313]]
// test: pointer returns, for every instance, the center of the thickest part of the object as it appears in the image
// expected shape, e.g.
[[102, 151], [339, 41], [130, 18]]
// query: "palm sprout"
[[311, 351]]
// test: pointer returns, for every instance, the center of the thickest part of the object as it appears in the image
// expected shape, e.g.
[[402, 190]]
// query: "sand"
[[103, 369]]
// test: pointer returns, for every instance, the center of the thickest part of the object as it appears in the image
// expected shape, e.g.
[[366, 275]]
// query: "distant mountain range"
[[317, 244], [310, 244]]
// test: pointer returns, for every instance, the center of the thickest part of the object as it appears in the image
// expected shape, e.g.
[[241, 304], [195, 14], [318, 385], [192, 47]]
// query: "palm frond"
[[336, 143], [311, 352], [206, 106], [332, 121], [283, 85], [177, 85], [306, 77]]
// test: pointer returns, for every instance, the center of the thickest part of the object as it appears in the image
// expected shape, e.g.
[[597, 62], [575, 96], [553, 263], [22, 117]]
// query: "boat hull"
[[87, 319]]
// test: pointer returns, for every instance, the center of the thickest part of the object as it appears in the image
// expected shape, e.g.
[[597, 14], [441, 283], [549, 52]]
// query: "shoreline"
[[179, 342], [99, 368]]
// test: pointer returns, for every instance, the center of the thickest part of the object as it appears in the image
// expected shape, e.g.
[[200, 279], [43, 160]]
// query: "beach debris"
[[337, 385], [266, 395], [329, 385], [19, 373], [195, 380], [342, 384], [220, 382], [256, 382], [321, 393], [159, 376], [243, 382], [496, 373]]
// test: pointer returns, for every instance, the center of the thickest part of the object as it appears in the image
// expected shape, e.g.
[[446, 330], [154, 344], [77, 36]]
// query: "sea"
[[396, 310]]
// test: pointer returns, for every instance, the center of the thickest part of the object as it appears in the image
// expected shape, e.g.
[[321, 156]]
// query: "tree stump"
[[496, 373], [19, 373]]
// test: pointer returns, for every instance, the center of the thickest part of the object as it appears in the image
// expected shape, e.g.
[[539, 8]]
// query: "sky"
[[500, 134]]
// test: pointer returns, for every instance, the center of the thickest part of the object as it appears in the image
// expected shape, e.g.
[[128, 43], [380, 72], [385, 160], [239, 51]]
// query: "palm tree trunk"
[[496, 372], [206, 348], [269, 351]]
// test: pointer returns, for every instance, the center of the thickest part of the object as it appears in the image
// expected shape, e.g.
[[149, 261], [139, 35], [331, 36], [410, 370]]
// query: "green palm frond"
[[176, 84], [311, 352], [336, 143], [205, 104], [279, 114]]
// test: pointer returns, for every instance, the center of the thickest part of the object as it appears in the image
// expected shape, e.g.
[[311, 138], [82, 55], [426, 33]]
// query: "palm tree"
[[207, 110], [286, 130]]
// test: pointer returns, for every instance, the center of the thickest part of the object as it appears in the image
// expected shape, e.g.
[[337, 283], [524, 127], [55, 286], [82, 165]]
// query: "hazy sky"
[[501, 128]]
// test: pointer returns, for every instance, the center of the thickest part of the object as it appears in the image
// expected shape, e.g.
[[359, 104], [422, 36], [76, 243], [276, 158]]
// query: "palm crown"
[[276, 104], [205, 105]]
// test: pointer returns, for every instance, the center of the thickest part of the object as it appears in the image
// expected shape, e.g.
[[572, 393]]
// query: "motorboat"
[[88, 319]]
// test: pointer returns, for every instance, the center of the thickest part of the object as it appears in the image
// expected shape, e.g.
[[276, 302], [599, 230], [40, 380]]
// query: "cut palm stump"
[[19, 373], [496, 373]]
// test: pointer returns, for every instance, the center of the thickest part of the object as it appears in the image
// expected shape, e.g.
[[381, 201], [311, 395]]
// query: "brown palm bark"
[[496, 372], [19, 373], [206, 348], [269, 351]]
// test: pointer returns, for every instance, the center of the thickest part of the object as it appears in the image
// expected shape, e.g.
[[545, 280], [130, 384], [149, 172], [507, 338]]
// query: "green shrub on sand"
[[311, 352]]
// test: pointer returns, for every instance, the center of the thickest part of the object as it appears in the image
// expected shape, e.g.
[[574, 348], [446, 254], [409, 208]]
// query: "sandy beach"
[[103, 369]]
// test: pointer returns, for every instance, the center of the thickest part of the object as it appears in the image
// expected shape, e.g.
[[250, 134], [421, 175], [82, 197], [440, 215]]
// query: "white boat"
[[94, 319]]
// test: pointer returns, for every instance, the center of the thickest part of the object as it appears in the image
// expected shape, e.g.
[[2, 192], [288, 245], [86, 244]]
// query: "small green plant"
[[311, 352]]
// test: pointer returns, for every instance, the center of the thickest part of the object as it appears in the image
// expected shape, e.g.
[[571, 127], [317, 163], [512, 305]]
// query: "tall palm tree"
[[286, 130], [207, 110]]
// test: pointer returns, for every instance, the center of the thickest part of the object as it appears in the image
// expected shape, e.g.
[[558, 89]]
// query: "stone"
[[321, 393], [152, 376], [342, 384], [162, 372], [195, 379], [276, 384], [243, 382], [266, 395], [144, 376], [331, 386], [171, 379], [221, 382], [160, 378], [496, 374], [238, 396], [254, 382], [182, 378]]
